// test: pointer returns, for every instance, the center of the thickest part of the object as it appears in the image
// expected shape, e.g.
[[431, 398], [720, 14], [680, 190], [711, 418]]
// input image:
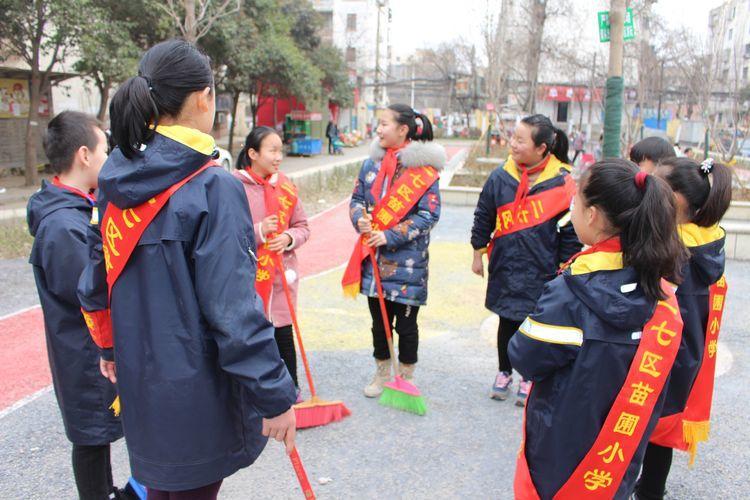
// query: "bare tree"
[[194, 18]]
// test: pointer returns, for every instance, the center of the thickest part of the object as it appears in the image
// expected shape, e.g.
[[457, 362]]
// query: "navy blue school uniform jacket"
[[577, 348], [58, 219], [521, 262], [705, 267], [197, 363]]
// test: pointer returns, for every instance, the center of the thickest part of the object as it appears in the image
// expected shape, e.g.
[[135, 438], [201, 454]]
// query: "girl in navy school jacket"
[[703, 193], [197, 368], [521, 261], [581, 340]]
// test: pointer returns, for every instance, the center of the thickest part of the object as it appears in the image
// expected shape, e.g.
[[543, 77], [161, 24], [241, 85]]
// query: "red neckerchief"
[[88, 197], [609, 245], [523, 184], [269, 191], [387, 169]]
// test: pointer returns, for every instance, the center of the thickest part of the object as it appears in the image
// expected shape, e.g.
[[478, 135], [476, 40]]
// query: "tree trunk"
[[104, 89], [235, 103], [32, 126], [191, 28], [538, 19]]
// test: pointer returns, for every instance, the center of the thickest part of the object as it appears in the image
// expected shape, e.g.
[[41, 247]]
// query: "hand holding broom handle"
[[381, 298]]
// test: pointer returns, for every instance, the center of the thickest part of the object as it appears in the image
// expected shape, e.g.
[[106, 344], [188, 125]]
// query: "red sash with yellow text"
[[536, 209], [600, 472], [122, 229], [280, 199], [685, 430], [403, 194]]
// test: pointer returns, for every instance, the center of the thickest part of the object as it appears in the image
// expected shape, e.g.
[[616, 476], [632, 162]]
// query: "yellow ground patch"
[[455, 302]]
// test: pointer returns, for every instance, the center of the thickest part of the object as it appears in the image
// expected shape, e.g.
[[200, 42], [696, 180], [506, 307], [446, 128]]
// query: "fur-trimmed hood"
[[416, 154]]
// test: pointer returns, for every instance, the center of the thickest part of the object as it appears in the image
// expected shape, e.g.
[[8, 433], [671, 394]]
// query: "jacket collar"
[[190, 137], [552, 170]]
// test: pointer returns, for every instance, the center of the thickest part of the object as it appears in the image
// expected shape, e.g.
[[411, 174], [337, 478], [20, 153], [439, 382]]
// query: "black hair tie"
[[148, 82]]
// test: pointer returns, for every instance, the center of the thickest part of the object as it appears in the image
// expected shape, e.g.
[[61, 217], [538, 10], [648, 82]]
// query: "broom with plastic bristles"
[[398, 394], [315, 411]]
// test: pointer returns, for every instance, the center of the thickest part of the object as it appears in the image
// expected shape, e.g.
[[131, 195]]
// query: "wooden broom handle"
[[297, 332]]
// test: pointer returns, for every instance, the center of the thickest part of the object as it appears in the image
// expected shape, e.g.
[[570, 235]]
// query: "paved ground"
[[463, 448]]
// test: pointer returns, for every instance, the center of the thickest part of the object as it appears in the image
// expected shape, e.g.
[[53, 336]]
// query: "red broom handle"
[[299, 469], [297, 332], [383, 310]]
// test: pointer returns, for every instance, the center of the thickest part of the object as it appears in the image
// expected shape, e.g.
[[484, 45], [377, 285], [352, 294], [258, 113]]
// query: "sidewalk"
[[13, 201]]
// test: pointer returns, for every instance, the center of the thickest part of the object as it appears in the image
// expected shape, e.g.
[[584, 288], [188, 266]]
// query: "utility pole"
[[615, 83]]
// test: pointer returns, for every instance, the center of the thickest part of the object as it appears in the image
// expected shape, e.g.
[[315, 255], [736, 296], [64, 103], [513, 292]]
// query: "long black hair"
[[644, 217], [708, 200], [167, 74], [654, 149], [543, 132], [253, 141], [407, 116]]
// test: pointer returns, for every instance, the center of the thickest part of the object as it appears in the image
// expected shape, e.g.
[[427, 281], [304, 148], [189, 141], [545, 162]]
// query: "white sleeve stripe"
[[551, 333]]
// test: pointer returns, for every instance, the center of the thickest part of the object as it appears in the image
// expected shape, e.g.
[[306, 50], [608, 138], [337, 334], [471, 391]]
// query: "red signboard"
[[565, 93]]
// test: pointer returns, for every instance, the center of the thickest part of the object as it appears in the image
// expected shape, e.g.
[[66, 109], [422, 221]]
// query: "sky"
[[427, 23]]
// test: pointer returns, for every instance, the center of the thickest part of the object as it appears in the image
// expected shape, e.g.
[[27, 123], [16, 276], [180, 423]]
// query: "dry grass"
[[15, 240]]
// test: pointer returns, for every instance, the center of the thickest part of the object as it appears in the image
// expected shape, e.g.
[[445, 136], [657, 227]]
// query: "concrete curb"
[[736, 222], [13, 213]]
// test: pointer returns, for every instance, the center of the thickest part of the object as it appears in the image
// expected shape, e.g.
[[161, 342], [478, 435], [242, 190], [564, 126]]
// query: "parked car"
[[224, 159]]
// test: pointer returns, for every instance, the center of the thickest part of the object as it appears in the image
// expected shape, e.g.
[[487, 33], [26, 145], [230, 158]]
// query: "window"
[[562, 112], [747, 50], [729, 34], [744, 73], [351, 22], [351, 54]]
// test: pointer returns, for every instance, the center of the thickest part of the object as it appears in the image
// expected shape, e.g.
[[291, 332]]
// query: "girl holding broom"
[[169, 293], [601, 341], [280, 227], [395, 205], [521, 222]]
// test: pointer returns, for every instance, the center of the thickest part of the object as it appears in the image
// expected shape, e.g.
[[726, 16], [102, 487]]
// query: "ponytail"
[[131, 110], [560, 147], [405, 115], [253, 141], [167, 74], [543, 132], [707, 187], [641, 209]]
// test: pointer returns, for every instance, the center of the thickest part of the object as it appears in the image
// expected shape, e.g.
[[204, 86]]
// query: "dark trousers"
[[653, 481], [93, 471], [504, 333], [285, 341], [405, 325], [330, 146], [208, 492]]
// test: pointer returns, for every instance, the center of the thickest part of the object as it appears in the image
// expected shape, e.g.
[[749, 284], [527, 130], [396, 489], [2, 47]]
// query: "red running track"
[[24, 368]]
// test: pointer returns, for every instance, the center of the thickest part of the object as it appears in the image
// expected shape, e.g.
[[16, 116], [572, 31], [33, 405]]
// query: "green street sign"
[[604, 30]]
